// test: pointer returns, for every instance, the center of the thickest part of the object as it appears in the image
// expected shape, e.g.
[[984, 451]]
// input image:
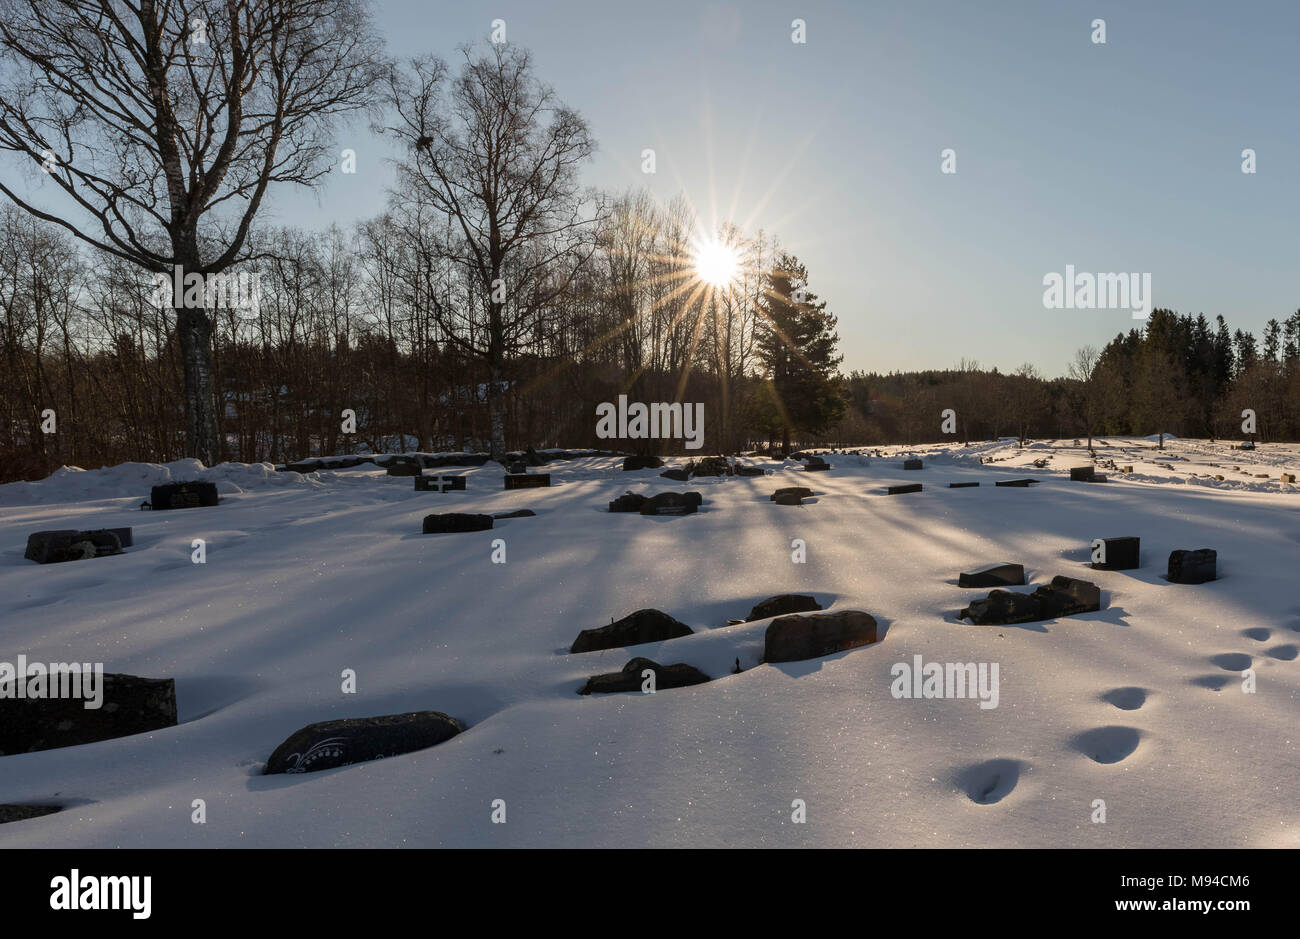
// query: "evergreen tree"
[[796, 345]]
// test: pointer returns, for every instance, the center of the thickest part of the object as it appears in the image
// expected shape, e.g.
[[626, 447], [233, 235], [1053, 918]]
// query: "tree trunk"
[[194, 330]]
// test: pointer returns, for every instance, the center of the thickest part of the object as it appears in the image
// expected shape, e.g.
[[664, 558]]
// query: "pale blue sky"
[[1115, 157]]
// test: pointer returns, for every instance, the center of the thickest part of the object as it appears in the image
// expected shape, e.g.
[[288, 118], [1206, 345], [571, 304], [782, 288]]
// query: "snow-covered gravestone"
[[439, 483], [527, 480], [183, 495]]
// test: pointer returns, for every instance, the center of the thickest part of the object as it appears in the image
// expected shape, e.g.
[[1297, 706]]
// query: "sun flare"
[[716, 262]]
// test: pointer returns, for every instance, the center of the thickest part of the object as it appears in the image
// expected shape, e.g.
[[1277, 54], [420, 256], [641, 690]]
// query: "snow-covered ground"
[[307, 576]]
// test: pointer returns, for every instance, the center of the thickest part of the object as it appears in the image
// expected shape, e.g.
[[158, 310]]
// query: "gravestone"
[[630, 677], [130, 705], [787, 498], [801, 491], [628, 502], [713, 466], [632, 630], [672, 503], [517, 513], [679, 475], [440, 483], [53, 547], [1121, 554], [962, 485], [403, 469], [1003, 574], [816, 465], [912, 464], [783, 604], [330, 744], [455, 522], [631, 463], [18, 813], [1193, 567], [1126, 469], [799, 637], [1082, 474], [900, 490], [749, 471], [1286, 478], [183, 495], [1016, 483], [517, 467], [1064, 596], [527, 480]]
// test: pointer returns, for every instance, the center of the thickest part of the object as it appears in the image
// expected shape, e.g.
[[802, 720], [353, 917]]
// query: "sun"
[[716, 262]]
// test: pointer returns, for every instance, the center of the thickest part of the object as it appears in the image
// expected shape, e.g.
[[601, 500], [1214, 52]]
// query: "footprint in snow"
[[1213, 682], [1126, 699], [989, 782], [1107, 744], [1258, 633], [1232, 661], [1286, 653]]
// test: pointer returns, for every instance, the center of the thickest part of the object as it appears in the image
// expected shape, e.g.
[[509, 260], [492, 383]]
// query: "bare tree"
[[1083, 369], [496, 156], [164, 122]]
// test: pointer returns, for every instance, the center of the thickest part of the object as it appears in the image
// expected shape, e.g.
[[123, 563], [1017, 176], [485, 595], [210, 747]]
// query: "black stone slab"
[[130, 705], [962, 485], [455, 522], [1193, 567], [632, 630], [900, 490], [630, 677], [1121, 554], [440, 483], [331, 744], [183, 495], [1003, 574], [527, 480]]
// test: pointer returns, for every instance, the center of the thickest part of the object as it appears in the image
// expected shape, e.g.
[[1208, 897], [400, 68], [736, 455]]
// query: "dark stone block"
[[186, 495], [124, 536], [1121, 554], [17, 813], [672, 503], [794, 638], [1067, 596], [680, 475], [527, 480], [330, 744], [628, 502], [130, 705], [962, 485], [1193, 567], [630, 677], [993, 575], [518, 513], [713, 466], [1002, 607], [901, 490], [782, 604], [633, 463], [632, 630], [455, 522], [749, 471], [802, 491], [912, 464], [787, 498], [1082, 474], [402, 469], [816, 467], [516, 467], [439, 483], [52, 547], [1064, 596], [1016, 483]]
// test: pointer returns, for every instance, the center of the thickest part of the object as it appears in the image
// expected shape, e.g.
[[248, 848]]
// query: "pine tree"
[[797, 348]]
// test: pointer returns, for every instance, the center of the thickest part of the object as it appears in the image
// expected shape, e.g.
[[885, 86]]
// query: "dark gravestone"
[[355, 740], [749, 471], [631, 463], [783, 604], [680, 475], [901, 490], [517, 467], [713, 466], [816, 467], [802, 491], [186, 495], [1017, 483], [403, 469], [787, 498], [912, 464], [1082, 474], [794, 638], [628, 502], [632, 630], [17, 813], [518, 513], [1193, 567], [962, 485], [1121, 554], [439, 483], [993, 575], [630, 678], [455, 522], [527, 480], [130, 705], [1064, 596], [533, 458], [672, 503], [124, 537], [52, 547]]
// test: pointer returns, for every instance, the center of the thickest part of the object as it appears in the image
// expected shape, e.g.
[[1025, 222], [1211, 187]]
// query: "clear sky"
[[1118, 157]]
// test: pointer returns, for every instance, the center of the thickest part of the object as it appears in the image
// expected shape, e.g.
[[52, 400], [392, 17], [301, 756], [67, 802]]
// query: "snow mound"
[[134, 480]]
